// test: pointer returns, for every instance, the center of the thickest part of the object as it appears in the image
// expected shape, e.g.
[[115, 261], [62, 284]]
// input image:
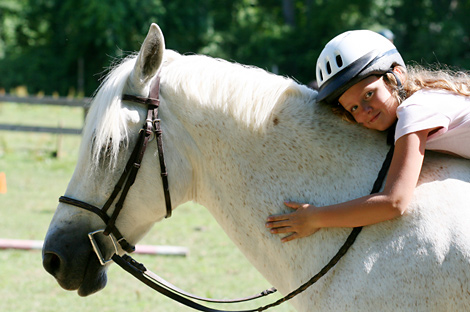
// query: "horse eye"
[[106, 149], [101, 152]]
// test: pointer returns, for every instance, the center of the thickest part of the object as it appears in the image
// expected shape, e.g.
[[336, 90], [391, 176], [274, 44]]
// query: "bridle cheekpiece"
[[151, 127]]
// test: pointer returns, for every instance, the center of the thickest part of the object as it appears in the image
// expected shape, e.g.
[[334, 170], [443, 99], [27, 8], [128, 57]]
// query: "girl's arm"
[[390, 203]]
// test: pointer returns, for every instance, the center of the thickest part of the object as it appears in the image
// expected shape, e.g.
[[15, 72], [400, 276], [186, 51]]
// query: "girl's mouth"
[[374, 118]]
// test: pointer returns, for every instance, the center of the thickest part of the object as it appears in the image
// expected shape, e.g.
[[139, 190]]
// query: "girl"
[[362, 75]]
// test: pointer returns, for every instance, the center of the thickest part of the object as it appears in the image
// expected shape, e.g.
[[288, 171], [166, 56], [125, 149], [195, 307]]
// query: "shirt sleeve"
[[416, 117]]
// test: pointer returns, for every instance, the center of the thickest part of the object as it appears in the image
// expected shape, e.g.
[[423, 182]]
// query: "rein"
[[127, 179]]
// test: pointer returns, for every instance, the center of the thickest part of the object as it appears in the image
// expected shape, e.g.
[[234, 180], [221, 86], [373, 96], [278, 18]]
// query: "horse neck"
[[298, 140]]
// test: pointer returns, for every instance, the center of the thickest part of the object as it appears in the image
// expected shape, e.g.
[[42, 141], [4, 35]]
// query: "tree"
[[49, 44], [434, 32]]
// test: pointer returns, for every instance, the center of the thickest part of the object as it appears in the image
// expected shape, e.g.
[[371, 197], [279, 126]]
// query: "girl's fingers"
[[293, 205], [278, 224], [288, 238], [281, 217], [281, 230], [278, 218], [282, 224]]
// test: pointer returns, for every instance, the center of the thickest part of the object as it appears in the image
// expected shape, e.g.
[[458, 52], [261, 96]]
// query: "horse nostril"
[[51, 263]]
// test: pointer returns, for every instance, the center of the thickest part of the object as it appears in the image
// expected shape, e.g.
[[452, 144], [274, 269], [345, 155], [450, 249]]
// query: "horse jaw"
[[148, 61]]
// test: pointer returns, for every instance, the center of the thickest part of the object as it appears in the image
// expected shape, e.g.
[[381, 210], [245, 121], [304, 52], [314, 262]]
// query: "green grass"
[[35, 179]]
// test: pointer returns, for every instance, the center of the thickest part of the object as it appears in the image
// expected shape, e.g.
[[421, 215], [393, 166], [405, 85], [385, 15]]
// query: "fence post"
[[58, 152]]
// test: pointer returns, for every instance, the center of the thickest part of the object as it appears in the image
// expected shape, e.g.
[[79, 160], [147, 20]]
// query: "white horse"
[[240, 141]]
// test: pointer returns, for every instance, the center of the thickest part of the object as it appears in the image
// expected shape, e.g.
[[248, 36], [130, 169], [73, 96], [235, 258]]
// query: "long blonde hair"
[[417, 77], [445, 79]]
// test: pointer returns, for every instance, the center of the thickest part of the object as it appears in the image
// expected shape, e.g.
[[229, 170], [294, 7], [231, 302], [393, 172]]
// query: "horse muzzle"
[[69, 256]]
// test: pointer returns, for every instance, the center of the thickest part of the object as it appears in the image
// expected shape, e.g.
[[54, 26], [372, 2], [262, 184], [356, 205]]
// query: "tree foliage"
[[59, 45]]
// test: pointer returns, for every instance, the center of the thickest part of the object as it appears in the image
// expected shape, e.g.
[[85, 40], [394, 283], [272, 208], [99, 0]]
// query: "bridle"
[[127, 179], [152, 127]]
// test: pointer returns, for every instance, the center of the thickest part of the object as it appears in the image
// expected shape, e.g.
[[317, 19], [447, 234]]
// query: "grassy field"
[[35, 179]]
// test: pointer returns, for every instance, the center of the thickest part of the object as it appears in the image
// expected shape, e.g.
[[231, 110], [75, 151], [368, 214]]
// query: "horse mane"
[[248, 93]]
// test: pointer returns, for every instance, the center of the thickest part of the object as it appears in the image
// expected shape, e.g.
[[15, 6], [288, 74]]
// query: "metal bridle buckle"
[[96, 247], [152, 135]]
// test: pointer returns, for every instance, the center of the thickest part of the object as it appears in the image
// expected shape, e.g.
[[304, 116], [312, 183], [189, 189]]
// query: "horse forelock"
[[105, 130]]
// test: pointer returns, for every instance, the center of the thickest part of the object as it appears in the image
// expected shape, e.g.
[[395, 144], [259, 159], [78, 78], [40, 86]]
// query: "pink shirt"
[[429, 109]]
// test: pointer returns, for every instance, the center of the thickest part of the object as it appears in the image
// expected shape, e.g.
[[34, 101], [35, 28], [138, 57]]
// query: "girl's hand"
[[299, 223]]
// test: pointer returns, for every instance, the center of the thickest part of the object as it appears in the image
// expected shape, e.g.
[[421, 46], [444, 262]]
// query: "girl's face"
[[371, 103]]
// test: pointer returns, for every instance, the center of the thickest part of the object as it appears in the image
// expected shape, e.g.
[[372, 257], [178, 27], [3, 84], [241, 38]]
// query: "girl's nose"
[[363, 114], [366, 108]]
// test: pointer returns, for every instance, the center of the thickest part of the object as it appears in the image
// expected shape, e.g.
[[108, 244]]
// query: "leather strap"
[[80, 204], [155, 93], [140, 272], [153, 123]]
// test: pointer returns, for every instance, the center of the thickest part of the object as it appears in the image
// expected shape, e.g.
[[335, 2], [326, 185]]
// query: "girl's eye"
[[368, 95], [354, 108]]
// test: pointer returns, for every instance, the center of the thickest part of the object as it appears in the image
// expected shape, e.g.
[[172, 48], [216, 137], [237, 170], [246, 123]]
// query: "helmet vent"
[[339, 61], [328, 68]]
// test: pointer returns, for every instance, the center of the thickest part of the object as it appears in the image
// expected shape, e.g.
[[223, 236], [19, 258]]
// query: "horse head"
[[109, 135]]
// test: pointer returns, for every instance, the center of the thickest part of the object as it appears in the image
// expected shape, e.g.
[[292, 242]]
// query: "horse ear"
[[149, 58]]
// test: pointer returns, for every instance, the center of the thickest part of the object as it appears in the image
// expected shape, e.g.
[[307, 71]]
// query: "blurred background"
[[55, 51], [65, 46]]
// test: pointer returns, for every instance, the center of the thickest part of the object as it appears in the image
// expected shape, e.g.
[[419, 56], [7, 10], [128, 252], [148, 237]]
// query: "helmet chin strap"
[[401, 97], [401, 89]]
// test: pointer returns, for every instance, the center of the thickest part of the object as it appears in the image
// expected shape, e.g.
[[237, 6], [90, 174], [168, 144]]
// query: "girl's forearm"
[[398, 191], [363, 211]]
